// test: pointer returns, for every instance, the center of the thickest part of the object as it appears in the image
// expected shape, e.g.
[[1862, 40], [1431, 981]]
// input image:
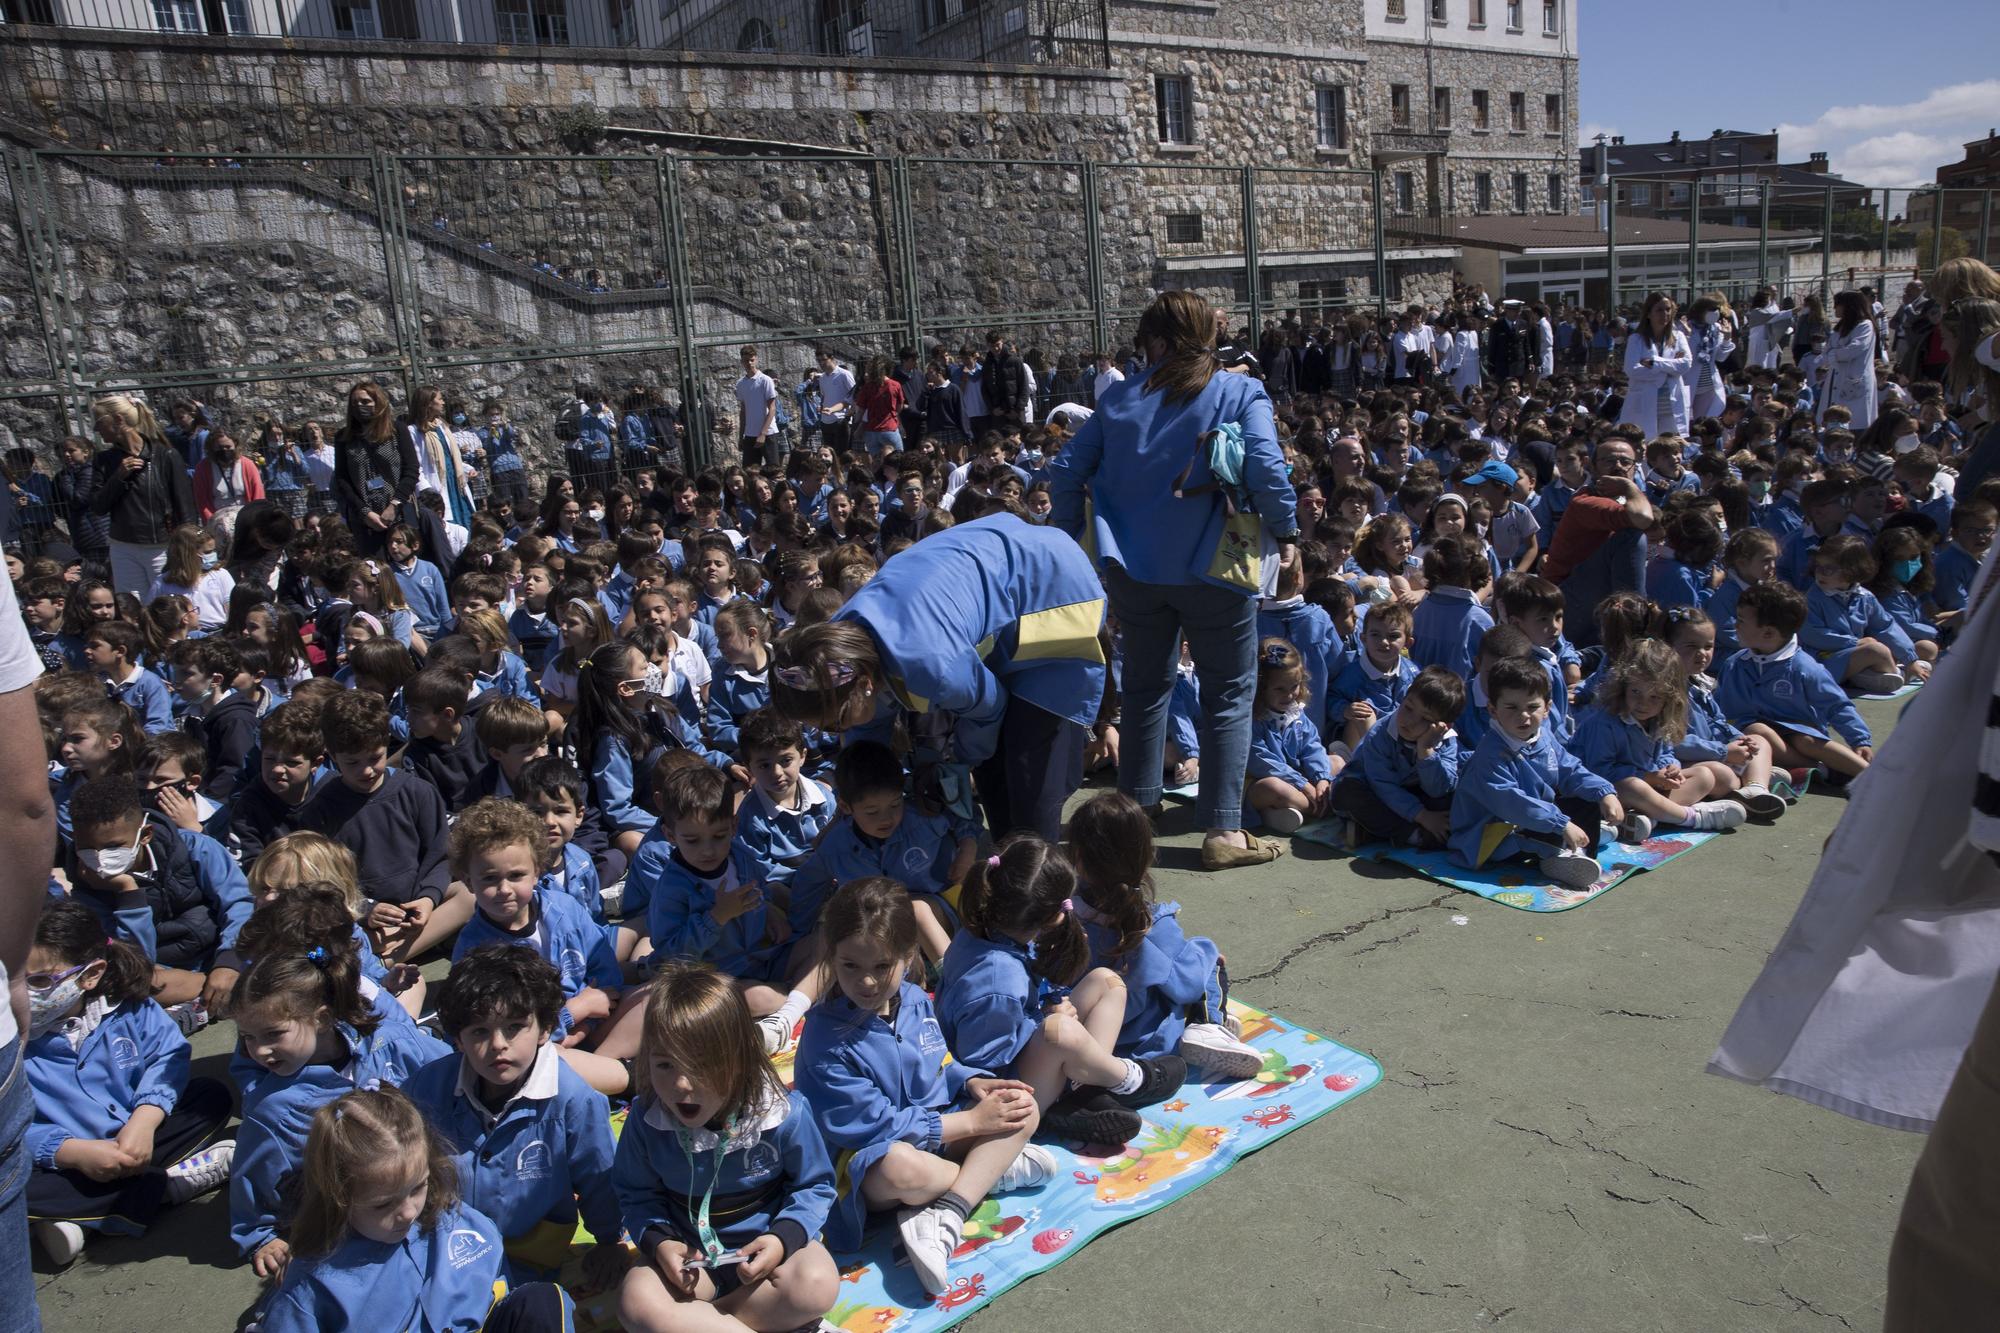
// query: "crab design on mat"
[[962, 1292], [1270, 1117]]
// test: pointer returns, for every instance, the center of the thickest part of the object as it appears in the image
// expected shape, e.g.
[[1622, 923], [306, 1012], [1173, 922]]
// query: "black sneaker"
[[1091, 1115], [1164, 1075]]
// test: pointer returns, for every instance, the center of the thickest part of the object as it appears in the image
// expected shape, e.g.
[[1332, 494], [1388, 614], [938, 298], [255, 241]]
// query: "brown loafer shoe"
[[1223, 854]]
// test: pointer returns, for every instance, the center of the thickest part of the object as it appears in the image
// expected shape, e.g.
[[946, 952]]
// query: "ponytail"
[[1026, 884], [1111, 840], [305, 956], [72, 932]]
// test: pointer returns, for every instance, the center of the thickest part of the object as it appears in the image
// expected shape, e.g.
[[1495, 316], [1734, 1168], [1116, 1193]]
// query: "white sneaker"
[[929, 1237], [1635, 828], [1714, 816], [206, 1170], [1210, 1048], [1759, 801], [1034, 1165], [1287, 820], [777, 1032], [61, 1241], [1571, 869]]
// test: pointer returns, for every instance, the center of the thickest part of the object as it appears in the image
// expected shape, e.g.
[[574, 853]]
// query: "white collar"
[[538, 1086], [1517, 746], [1452, 592], [1782, 655], [77, 1030], [763, 1115], [813, 795]]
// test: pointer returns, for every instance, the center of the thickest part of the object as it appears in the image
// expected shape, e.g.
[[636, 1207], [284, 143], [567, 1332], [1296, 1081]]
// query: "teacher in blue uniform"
[[986, 633], [1155, 543]]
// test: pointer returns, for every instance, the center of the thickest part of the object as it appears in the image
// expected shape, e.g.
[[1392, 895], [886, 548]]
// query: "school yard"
[[1544, 1153]]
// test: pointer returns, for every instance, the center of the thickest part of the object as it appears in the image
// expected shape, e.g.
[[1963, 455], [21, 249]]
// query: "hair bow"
[[1277, 655], [316, 955]]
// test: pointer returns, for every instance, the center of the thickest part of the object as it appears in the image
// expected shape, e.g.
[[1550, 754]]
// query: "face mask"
[[47, 1008], [1905, 570], [595, 515], [111, 862], [1988, 353], [364, 410], [1907, 444], [209, 560], [1723, 528], [458, 418], [1759, 489]]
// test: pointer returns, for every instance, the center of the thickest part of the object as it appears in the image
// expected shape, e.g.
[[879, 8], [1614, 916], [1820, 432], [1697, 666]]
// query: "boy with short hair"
[[1825, 504], [785, 812], [500, 852], [1973, 527], [531, 624], [1534, 605], [443, 750], [1771, 680], [171, 766], [1501, 643], [1520, 793], [1289, 616], [223, 698], [112, 648], [552, 789], [1751, 556], [696, 636], [394, 822], [511, 731], [1447, 625], [288, 756], [1372, 683], [1397, 788], [530, 1137], [43, 601], [616, 594]]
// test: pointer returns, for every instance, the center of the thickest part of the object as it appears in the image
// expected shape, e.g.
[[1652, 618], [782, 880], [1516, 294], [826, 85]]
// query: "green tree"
[[1949, 242]]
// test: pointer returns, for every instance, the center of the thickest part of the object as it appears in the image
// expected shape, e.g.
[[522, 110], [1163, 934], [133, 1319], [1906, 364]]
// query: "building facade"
[[1966, 184]]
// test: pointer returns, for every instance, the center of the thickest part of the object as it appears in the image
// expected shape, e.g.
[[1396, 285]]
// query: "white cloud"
[[1899, 159], [1899, 145]]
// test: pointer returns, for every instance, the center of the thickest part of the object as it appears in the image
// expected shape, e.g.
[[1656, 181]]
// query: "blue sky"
[[1890, 91]]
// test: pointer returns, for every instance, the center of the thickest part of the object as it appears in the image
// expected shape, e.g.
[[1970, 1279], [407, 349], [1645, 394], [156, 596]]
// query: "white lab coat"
[[1710, 344], [1846, 374], [1643, 384], [1545, 348], [1870, 998], [1763, 347], [1461, 361]]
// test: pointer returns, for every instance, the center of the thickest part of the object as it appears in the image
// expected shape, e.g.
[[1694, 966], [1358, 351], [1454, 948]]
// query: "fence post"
[[1093, 259], [1763, 233], [695, 425], [1255, 288], [388, 212], [35, 212], [1694, 240], [906, 248], [1937, 230], [1611, 240], [1826, 248], [1381, 253], [1884, 280], [1986, 226]]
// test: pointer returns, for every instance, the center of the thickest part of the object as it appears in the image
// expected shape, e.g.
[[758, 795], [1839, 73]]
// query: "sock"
[[794, 1008], [1134, 1076], [953, 1204]]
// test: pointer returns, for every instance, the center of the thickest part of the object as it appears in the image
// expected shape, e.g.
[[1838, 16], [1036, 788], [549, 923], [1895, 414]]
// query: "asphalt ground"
[[1544, 1152]]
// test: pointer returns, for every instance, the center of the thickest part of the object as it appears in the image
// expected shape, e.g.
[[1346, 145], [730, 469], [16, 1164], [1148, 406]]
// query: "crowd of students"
[[575, 762]]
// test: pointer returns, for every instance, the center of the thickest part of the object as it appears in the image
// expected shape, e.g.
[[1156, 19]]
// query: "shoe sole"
[[943, 1275], [1096, 1126], [1222, 1062], [1571, 872], [1764, 805]]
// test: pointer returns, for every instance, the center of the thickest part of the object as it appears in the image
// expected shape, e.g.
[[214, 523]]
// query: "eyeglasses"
[[47, 981]]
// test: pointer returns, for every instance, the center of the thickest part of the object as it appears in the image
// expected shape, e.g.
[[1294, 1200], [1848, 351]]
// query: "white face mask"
[[596, 516], [48, 1008], [209, 560], [1988, 352], [111, 862], [1907, 444]]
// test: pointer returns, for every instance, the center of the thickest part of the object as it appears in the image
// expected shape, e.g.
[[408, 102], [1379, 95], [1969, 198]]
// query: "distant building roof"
[[1522, 233]]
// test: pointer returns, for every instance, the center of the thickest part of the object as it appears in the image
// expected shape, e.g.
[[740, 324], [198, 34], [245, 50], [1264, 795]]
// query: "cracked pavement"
[[1544, 1151]]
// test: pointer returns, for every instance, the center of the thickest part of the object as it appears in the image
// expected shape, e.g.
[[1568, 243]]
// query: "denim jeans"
[[1617, 566], [879, 442], [1221, 630], [17, 1280]]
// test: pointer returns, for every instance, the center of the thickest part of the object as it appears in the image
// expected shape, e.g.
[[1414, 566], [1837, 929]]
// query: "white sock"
[[794, 1008], [1134, 1076]]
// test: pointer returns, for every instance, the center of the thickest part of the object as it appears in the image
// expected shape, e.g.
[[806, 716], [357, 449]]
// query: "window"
[[1517, 112], [1482, 192], [236, 14], [1440, 11], [756, 36], [177, 15], [1395, 10], [1175, 101], [355, 19], [1320, 294], [1552, 112], [1406, 192], [1551, 16], [532, 22], [1330, 116], [1639, 196], [1441, 108], [1555, 192], [1183, 228], [1475, 13], [1677, 194], [1513, 15], [1482, 115], [1520, 192], [1399, 105], [1590, 194]]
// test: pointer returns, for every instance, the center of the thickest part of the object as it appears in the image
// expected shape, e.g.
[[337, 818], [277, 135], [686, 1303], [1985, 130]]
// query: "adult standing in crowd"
[[141, 487], [1846, 374], [441, 465], [1000, 379], [756, 412], [836, 402], [225, 481], [1657, 360], [878, 407], [376, 474], [1131, 459], [1599, 547]]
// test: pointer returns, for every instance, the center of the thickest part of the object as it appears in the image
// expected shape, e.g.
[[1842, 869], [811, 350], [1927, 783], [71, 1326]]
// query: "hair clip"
[[1277, 655], [993, 861], [316, 955], [1069, 905]]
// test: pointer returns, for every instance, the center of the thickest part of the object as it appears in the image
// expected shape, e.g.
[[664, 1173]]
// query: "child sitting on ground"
[[1771, 680], [1447, 624], [1372, 683], [1903, 578], [444, 749], [1846, 629], [1751, 556], [1397, 788], [1627, 737], [289, 745], [785, 812], [1973, 525], [1290, 774], [1747, 753], [112, 647], [1310, 630]]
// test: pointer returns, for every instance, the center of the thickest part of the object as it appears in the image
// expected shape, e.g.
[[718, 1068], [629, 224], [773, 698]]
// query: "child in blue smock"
[[911, 1129], [1846, 628], [1308, 628], [1773, 681], [531, 1140], [1018, 998], [1903, 579], [623, 731], [1679, 574], [1522, 794], [308, 1034], [1750, 557], [739, 673], [1290, 773], [1397, 787], [119, 1130], [722, 1174], [1176, 988], [383, 1239], [1627, 737], [1710, 735], [1972, 527], [1373, 681], [1181, 757], [498, 851], [1448, 624], [784, 812], [881, 832], [553, 791], [299, 860]]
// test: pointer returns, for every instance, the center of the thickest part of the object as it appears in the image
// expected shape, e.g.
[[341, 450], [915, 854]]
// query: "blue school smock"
[[148, 696], [768, 1173], [982, 612], [680, 915], [988, 1002], [576, 879], [1674, 582], [1359, 680], [1835, 626], [616, 595], [510, 679], [1721, 607], [917, 855], [614, 787], [544, 1156], [1390, 767], [1908, 613], [1953, 568], [1709, 733], [423, 588], [785, 837], [1616, 747], [733, 694], [1473, 722], [1788, 689], [1448, 627], [561, 932], [874, 1082], [194, 900], [1548, 506], [135, 1056], [1166, 976], [278, 1111], [1502, 788], [1309, 629], [537, 633], [1184, 713], [444, 1280], [1795, 560], [1287, 745]]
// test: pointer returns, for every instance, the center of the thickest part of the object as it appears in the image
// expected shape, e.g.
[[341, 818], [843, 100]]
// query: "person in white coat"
[[1846, 373], [1461, 353], [1766, 322], [1545, 342], [1711, 338], [1656, 359]]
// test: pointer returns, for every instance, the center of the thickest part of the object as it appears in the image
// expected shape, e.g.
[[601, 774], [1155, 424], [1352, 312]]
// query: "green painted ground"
[[1545, 1153]]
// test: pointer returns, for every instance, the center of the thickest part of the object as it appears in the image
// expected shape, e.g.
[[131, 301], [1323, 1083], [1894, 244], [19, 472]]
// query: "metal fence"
[[265, 284]]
